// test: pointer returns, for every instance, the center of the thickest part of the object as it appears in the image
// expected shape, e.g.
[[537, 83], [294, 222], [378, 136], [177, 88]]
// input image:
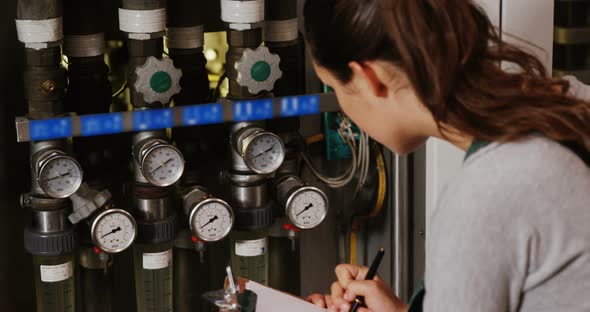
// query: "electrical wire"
[[379, 204], [123, 87], [335, 182], [217, 92], [360, 157], [314, 139]]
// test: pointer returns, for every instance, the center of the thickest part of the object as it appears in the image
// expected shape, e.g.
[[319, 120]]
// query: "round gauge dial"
[[211, 220], [162, 165], [60, 176], [264, 152], [307, 207], [114, 230]]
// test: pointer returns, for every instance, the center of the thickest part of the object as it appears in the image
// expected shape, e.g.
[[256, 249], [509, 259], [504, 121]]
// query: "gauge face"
[[211, 220], [162, 165], [307, 207], [264, 153], [114, 230], [60, 177]]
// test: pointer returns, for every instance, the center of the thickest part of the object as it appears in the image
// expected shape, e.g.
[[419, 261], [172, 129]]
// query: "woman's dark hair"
[[451, 54]]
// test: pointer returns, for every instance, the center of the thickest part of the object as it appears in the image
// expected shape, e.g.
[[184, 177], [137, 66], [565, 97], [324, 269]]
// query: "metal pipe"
[[49, 221], [152, 209], [144, 4], [283, 38], [39, 9], [401, 212], [185, 44], [81, 18], [252, 197]]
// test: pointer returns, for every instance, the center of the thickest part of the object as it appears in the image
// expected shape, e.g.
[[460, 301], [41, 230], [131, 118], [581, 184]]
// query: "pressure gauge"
[[58, 174], [263, 152], [113, 230], [161, 163], [307, 207], [211, 220]]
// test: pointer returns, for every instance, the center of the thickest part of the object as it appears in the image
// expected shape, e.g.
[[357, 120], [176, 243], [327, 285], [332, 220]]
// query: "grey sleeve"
[[471, 261], [577, 88]]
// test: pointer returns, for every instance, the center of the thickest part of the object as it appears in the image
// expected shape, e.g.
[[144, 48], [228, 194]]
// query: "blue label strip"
[[156, 119], [103, 124], [253, 110], [207, 114], [300, 105], [153, 119], [42, 130]]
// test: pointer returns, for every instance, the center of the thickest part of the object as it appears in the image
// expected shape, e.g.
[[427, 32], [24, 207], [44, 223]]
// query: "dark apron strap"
[[417, 298]]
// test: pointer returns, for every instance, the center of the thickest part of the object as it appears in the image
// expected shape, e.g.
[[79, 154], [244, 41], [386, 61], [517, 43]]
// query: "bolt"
[[25, 201], [421, 233], [49, 85]]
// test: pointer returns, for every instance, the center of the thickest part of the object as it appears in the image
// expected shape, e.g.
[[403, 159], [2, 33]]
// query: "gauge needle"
[[210, 221], [112, 232], [162, 164], [59, 176], [268, 150], [306, 209]]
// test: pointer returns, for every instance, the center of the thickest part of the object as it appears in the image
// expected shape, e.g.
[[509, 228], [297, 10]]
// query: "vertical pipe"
[[250, 199], [191, 275], [281, 35], [284, 251], [153, 250], [152, 254], [96, 282], [141, 49], [400, 228], [89, 92], [185, 40], [48, 237], [52, 242]]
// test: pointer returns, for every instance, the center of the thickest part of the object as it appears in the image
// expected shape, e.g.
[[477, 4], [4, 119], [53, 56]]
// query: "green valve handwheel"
[[161, 82], [158, 80], [258, 70]]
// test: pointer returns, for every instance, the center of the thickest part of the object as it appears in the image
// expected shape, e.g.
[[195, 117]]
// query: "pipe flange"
[[158, 80], [243, 179], [150, 232], [49, 244], [254, 219], [258, 70]]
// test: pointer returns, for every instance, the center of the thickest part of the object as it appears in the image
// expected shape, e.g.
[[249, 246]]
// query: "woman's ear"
[[369, 78]]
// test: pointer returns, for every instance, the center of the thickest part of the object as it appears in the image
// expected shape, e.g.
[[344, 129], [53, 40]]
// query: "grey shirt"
[[511, 232]]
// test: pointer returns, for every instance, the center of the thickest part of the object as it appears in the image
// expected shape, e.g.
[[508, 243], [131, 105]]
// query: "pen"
[[360, 300]]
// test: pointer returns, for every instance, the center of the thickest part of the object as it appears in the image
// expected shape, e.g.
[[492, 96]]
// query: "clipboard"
[[272, 300]]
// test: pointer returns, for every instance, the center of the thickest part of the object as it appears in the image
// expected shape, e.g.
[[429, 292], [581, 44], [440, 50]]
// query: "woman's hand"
[[322, 301], [378, 296]]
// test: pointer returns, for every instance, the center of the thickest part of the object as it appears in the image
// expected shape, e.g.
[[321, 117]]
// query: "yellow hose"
[[353, 246], [314, 139], [382, 182]]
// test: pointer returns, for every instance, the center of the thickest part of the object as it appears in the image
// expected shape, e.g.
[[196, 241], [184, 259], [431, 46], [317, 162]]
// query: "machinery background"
[[321, 248], [343, 236]]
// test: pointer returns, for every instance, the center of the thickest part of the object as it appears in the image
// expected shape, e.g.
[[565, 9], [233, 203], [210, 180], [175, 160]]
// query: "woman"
[[512, 231]]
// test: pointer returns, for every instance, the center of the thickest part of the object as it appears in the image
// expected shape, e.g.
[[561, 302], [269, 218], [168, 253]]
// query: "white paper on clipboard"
[[271, 300]]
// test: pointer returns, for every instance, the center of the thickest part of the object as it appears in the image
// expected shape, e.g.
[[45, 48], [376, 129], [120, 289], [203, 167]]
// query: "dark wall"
[[16, 286]]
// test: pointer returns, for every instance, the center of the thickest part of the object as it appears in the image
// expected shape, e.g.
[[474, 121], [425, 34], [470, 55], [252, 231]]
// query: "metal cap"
[[158, 80], [258, 70]]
